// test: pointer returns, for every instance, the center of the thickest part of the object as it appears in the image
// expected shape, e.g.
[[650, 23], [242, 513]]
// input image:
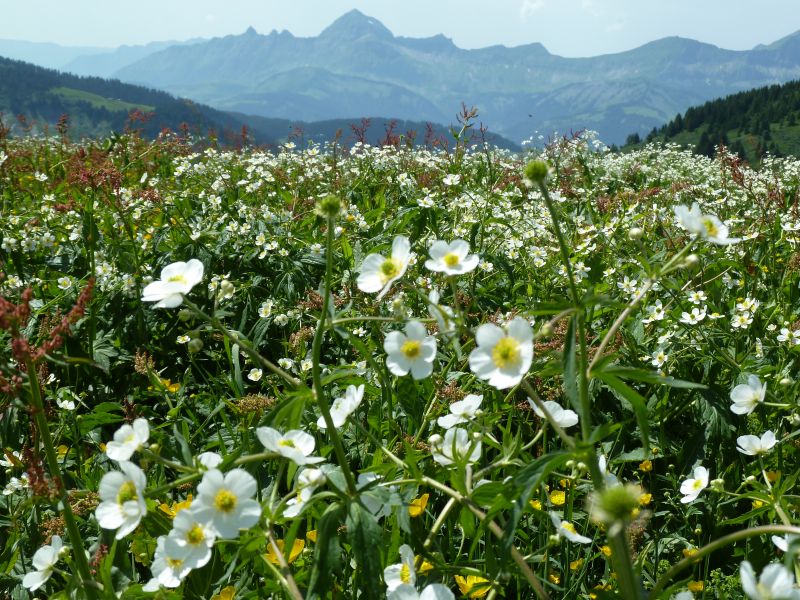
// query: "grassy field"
[[251, 374]]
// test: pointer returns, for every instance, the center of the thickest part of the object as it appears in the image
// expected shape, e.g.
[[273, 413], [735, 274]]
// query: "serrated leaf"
[[327, 552], [366, 537]]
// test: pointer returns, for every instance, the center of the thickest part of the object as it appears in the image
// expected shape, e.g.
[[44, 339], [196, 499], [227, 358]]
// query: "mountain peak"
[[355, 24], [251, 31]]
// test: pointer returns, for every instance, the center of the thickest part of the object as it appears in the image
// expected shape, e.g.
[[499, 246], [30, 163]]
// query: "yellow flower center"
[[195, 535], [568, 526], [178, 278], [450, 259], [506, 353], [711, 229], [411, 349], [697, 484], [127, 491], [389, 269], [174, 563], [405, 574], [288, 443], [225, 501]]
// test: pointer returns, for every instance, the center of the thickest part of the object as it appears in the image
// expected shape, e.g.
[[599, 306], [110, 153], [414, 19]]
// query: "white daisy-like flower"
[[412, 351], [255, 374], [343, 407], [694, 317], [451, 179], [209, 460], [433, 591], [176, 281], [197, 535], [64, 283], [783, 543], [128, 439], [451, 259], [122, 503], [378, 273], [775, 583], [462, 411], [308, 481], [225, 502], [296, 445], [445, 318], [691, 488], [503, 357], [707, 227], [456, 446], [183, 339], [563, 417], [746, 396], [402, 572], [44, 561], [752, 445], [170, 564], [567, 530], [658, 358]]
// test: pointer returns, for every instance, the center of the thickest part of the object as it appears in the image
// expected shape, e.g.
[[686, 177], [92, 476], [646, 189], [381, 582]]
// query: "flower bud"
[[195, 345], [536, 172], [329, 206], [691, 260], [785, 381], [435, 440], [718, 485], [184, 314], [635, 233]]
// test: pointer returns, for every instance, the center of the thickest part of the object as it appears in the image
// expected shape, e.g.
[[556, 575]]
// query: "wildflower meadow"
[[326, 371]]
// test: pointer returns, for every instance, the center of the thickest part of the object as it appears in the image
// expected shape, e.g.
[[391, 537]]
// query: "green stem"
[[316, 371], [88, 584]]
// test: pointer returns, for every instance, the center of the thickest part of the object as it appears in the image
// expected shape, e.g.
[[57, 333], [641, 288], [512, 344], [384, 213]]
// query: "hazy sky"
[[565, 27]]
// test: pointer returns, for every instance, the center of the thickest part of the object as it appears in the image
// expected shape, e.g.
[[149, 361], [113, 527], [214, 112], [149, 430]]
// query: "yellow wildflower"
[[418, 505], [758, 503], [536, 505], [425, 567], [687, 552], [773, 476], [576, 565], [473, 586], [228, 593], [558, 498], [646, 466], [311, 536], [696, 586], [62, 450], [555, 578], [297, 548], [172, 510], [606, 550], [645, 499]]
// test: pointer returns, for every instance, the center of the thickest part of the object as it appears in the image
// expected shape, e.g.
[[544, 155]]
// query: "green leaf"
[[645, 376], [327, 552], [637, 402], [570, 369], [366, 538]]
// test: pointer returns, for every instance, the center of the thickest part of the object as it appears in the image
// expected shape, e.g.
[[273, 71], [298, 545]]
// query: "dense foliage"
[[293, 348]]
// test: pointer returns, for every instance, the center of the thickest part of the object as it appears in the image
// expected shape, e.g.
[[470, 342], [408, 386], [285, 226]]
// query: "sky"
[[565, 27]]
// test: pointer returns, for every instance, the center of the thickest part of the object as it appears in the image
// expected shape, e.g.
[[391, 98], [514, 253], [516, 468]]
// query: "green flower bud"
[[329, 206], [536, 171], [195, 345], [616, 504]]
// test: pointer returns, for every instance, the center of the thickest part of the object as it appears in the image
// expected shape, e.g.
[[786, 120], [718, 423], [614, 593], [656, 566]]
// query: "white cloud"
[[211, 18], [529, 7]]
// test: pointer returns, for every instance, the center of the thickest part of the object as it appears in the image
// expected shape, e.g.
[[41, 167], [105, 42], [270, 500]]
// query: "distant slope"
[[517, 90], [98, 106], [45, 54], [751, 123], [105, 64]]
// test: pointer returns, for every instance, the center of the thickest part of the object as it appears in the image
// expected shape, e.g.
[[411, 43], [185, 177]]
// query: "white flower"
[[444, 316], [128, 439], [705, 226], [195, 534], [402, 572], [378, 273], [691, 488], [209, 460], [502, 357], [783, 543], [44, 561], [697, 315], [183, 339], [177, 280], [307, 482], [169, 564], [122, 503], [746, 396], [462, 411], [64, 283], [741, 320], [753, 445], [344, 407], [265, 309], [255, 374], [451, 259], [296, 445], [451, 179], [659, 357], [413, 351], [563, 417], [567, 530], [434, 591], [776, 582], [226, 502], [457, 446]]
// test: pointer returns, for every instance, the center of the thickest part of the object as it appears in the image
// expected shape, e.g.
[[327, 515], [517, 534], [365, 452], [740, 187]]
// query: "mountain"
[[106, 63], [96, 107], [45, 54], [356, 66], [751, 123]]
